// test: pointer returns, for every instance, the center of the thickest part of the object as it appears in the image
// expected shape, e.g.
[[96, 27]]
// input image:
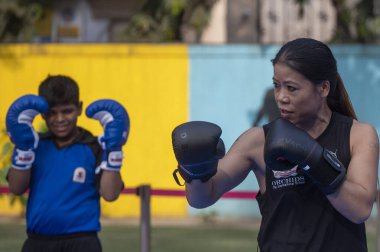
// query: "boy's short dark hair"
[[59, 90]]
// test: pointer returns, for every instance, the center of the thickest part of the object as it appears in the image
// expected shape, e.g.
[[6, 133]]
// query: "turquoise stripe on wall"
[[359, 67], [227, 84]]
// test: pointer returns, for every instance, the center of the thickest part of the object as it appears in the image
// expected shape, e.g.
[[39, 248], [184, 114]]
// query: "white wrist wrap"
[[115, 158], [114, 161], [22, 160]]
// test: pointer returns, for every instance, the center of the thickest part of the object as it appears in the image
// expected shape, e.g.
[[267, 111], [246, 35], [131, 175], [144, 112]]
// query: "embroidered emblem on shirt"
[[287, 178], [79, 175], [287, 173]]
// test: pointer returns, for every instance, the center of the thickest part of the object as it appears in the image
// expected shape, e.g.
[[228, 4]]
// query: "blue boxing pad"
[[115, 121], [19, 120]]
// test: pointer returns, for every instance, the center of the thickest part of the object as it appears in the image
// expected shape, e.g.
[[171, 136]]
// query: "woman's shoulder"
[[250, 139], [363, 126], [362, 131], [254, 135]]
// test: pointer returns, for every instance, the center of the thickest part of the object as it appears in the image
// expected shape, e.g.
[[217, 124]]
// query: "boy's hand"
[[19, 121], [115, 121]]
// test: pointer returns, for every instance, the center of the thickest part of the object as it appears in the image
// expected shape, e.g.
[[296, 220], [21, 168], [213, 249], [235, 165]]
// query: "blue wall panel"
[[226, 87], [359, 67]]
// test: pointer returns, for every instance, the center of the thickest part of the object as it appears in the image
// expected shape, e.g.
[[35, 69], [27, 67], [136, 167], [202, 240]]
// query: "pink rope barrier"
[[4, 190], [242, 195]]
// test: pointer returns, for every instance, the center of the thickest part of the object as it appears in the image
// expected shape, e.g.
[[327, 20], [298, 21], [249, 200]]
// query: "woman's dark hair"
[[59, 90], [314, 60]]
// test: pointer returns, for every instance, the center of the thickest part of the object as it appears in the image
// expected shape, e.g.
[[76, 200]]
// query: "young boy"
[[67, 169]]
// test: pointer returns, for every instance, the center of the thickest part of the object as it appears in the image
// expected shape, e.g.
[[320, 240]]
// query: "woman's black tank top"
[[296, 216]]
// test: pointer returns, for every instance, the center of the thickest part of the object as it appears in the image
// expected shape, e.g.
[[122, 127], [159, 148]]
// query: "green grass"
[[184, 239], [190, 238], [12, 235], [118, 238]]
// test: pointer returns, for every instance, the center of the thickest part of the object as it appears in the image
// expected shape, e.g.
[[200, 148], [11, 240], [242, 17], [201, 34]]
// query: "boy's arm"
[[115, 121], [19, 120], [111, 185], [18, 180]]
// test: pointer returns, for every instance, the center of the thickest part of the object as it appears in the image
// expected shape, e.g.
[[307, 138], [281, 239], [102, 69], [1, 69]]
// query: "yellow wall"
[[151, 81]]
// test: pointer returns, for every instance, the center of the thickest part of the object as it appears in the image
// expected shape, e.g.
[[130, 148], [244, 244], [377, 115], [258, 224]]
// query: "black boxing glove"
[[287, 143], [197, 147]]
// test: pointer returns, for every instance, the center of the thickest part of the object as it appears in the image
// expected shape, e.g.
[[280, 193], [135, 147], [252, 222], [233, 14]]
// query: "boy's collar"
[[82, 137]]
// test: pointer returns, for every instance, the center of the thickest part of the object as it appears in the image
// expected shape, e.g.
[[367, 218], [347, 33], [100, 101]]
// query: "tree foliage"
[[171, 20], [166, 20], [17, 18]]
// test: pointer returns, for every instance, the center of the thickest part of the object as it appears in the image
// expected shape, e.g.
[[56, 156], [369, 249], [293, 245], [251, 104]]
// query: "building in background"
[[81, 21], [271, 21], [232, 21]]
